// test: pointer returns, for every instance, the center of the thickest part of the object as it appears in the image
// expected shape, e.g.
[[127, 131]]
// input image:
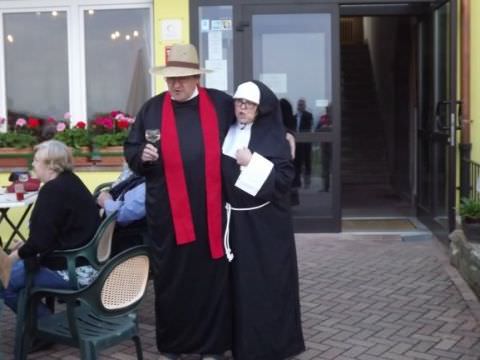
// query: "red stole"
[[175, 176]]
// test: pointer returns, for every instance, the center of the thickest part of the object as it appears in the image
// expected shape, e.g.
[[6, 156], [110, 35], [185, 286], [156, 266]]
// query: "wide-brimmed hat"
[[182, 61]]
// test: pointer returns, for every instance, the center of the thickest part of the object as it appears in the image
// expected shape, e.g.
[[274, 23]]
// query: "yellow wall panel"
[[475, 79], [90, 178], [168, 10]]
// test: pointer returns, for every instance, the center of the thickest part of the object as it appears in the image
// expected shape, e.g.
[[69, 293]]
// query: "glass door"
[[438, 118], [294, 49]]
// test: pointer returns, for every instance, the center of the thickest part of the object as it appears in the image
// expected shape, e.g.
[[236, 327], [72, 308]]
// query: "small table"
[[9, 201]]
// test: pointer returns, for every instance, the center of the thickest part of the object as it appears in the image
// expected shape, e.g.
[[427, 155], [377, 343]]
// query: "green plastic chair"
[[100, 315], [96, 253], [102, 187]]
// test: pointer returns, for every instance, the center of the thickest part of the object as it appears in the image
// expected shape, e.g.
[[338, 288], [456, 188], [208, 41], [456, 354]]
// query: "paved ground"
[[363, 297]]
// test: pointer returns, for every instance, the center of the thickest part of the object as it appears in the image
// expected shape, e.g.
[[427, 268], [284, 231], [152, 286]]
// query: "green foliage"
[[115, 139], [74, 138], [17, 140], [470, 208]]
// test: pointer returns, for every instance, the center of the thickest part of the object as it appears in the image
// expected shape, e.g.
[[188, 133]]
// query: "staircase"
[[364, 156]]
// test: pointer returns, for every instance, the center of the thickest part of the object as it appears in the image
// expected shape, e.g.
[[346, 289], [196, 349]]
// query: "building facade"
[[383, 81]]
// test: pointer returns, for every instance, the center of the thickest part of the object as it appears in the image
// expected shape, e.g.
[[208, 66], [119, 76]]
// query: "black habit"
[[192, 301], [267, 323]]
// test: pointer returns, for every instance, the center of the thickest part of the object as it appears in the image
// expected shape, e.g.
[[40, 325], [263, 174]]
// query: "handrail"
[[474, 179]]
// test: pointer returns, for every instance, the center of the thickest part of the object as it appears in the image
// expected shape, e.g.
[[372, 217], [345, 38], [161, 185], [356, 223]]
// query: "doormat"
[[403, 224]]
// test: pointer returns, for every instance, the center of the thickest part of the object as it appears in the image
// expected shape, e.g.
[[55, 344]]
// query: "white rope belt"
[[226, 238]]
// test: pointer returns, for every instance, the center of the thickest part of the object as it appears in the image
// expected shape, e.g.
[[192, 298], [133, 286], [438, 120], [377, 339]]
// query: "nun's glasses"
[[245, 103]]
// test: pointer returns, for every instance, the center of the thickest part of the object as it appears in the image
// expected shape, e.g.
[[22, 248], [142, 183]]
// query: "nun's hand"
[[150, 153], [243, 156], [291, 143]]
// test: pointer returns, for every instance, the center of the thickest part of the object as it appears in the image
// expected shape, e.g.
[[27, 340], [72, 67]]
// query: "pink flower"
[[21, 122], [108, 123], [61, 126], [51, 120], [105, 122], [130, 120], [115, 113], [67, 116], [2, 120]]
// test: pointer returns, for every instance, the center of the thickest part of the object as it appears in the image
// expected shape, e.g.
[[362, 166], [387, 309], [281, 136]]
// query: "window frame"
[[76, 44]]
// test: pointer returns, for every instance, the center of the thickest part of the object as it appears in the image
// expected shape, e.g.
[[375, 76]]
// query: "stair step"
[[363, 156]]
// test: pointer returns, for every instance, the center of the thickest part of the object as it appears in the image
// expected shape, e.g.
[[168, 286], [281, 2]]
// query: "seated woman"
[[127, 197], [65, 216]]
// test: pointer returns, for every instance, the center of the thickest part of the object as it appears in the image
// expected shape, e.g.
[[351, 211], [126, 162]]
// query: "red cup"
[[19, 191]]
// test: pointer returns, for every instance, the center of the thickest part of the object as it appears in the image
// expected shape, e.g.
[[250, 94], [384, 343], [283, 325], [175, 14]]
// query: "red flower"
[[123, 124], [51, 120], [33, 123], [80, 125], [105, 122]]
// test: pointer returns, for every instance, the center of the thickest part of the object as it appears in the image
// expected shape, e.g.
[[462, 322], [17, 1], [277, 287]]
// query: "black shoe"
[[40, 345]]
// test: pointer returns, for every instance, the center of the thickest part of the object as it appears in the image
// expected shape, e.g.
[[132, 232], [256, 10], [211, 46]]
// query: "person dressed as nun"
[[259, 240]]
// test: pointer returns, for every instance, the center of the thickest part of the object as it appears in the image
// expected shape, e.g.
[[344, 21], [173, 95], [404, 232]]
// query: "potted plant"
[[77, 137], [17, 141], [109, 133], [470, 213], [16, 144]]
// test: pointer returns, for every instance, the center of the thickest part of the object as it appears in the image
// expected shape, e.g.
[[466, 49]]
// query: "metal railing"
[[474, 179]]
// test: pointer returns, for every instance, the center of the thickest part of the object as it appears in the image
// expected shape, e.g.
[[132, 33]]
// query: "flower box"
[[82, 156], [110, 156], [12, 157]]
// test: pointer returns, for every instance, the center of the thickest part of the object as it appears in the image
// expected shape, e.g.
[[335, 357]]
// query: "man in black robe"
[[184, 207]]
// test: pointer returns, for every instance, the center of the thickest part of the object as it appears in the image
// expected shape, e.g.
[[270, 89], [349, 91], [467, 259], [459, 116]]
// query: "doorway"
[[294, 49], [401, 131], [407, 114], [378, 77]]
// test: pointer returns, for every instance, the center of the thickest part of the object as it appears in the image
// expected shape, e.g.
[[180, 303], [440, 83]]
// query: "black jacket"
[[65, 216]]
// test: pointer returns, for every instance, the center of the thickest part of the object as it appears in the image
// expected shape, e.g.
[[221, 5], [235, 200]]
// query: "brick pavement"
[[363, 298]]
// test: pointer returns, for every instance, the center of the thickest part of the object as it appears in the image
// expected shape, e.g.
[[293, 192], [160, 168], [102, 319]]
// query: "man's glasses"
[[245, 103]]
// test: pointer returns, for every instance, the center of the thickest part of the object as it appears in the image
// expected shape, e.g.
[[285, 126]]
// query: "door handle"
[[438, 123], [459, 104], [241, 25]]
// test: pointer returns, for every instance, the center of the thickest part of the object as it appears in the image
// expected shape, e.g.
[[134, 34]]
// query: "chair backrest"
[[120, 284], [97, 251], [102, 187], [104, 238], [126, 284]]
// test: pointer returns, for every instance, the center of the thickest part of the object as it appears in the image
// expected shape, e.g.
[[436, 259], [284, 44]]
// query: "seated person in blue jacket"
[[128, 198], [64, 216]]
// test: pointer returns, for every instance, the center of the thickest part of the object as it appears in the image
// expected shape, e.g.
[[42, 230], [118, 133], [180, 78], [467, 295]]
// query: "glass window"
[[304, 72], [216, 46], [302, 78], [36, 64], [117, 55]]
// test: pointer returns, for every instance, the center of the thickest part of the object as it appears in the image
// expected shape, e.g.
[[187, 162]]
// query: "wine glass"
[[152, 136]]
